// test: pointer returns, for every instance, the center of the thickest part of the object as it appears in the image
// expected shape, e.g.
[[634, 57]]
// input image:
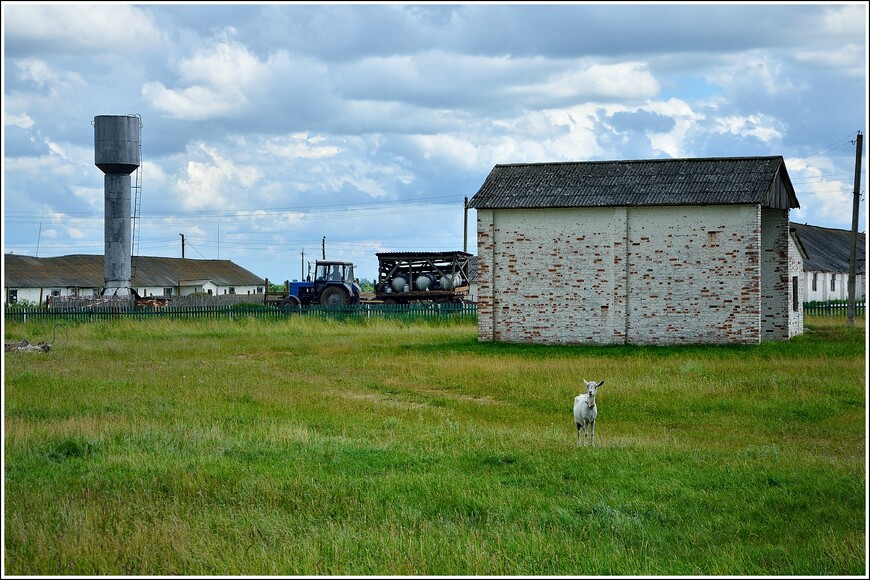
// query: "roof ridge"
[[659, 160]]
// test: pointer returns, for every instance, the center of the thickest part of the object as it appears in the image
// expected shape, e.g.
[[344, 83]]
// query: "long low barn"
[[31, 279], [670, 251]]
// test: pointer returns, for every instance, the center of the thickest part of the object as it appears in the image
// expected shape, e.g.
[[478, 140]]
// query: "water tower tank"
[[116, 153]]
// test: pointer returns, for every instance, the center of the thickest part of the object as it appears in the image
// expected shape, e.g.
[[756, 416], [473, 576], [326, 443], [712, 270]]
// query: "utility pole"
[[465, 227], [324, 247], [182, 245], [853, 256], [302, 274]]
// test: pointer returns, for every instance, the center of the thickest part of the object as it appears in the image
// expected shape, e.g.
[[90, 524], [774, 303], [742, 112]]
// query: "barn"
[[663, 251], [827, 257], [34, 280]]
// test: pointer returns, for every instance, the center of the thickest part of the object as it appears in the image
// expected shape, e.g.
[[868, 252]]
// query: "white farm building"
[[827, 253], [670, 251], [36, 280]]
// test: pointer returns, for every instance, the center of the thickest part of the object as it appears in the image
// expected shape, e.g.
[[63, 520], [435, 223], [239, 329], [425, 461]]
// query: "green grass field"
[[307, 447]]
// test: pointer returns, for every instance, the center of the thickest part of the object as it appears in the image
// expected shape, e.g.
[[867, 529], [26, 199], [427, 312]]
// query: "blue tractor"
[[334, 284]]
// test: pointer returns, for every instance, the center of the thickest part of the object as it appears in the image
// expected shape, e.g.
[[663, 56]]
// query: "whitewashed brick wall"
[[640, 275]]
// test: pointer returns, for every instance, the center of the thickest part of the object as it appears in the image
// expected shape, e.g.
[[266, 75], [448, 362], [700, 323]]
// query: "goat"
[[585, 411]]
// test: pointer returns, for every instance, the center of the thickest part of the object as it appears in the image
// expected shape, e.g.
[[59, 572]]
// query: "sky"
[[273, 132]]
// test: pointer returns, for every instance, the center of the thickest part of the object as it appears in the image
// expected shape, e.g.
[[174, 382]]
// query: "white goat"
[[585, 411]]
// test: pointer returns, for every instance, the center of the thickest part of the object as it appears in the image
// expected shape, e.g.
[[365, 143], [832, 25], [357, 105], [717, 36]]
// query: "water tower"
[[116, 147]]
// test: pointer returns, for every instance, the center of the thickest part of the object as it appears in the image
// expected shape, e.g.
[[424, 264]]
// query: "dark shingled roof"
[[828, 249], [87, 271], [710, 181]]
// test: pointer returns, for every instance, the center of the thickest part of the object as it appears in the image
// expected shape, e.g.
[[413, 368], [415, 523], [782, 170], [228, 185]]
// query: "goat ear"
[[601, 384], [585, 382]]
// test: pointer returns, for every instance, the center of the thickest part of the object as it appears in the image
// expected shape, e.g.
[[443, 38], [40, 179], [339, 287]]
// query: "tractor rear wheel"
[[333, 296]]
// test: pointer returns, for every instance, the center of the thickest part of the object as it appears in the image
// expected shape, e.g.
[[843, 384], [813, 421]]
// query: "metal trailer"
[[405, 277]]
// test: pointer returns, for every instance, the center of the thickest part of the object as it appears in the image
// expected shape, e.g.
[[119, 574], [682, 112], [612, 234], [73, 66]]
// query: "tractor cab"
[[335, 284]]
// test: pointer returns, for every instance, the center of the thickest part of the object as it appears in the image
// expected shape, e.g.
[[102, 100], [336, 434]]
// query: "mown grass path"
[[308, 447]]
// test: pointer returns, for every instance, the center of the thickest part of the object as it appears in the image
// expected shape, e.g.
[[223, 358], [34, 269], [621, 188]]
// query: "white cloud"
[[219, 79], [850, 58], [224, 64], [23, 120], [629, 80], [90, 197], [845, 20], [300, 146], [193, 103], [215, 182], [674, 142], [74, 26], [762, 127], [751, 72], [42, 75]]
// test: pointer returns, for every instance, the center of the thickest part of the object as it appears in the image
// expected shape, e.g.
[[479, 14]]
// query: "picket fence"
[[402, 312], [832, 309]]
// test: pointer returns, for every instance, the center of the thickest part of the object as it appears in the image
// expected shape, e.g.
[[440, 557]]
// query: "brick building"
[[671, 251]]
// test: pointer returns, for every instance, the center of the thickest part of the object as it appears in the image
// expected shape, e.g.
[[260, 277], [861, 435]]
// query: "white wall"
[[39, 295], [823, 290], [642, 275]]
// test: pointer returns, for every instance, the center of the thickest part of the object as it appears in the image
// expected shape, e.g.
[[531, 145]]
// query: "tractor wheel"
[[290, 303], [333, 296]]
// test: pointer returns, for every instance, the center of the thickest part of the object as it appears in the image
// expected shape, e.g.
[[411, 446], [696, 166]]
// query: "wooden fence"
[[832, 309], [403, 312]]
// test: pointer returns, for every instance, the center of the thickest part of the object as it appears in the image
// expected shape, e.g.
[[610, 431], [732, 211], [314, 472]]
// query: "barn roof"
[[829, 249], [705, 181], [87, 271]]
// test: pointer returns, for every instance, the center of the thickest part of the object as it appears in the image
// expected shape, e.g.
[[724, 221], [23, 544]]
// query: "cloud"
[[300, 145], [41, 76], [78, 28], [847, 58], [214, 181], [761, 127], [193, 103], [23, 143], [216, 78], [623, 81]]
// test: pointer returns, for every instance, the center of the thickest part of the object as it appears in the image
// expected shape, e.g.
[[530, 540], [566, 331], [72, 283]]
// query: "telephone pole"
[[853, 256], [182, 245], [465, 226], [324, 247]]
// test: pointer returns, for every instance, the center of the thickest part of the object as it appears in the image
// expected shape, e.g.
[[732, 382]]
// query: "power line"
[[836, 145]]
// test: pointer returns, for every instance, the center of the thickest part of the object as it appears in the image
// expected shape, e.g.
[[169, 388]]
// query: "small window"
[[794, 293], [167, 292], [815, 281], [13, 297], [55, 293], [833, 282], [232, 290]]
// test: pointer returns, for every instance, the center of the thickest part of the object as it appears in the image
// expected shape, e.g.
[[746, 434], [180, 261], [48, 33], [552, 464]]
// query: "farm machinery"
[[405, 277], [333, 285]]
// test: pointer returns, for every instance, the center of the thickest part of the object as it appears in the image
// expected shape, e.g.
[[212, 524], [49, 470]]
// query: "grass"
[[308, 447]]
